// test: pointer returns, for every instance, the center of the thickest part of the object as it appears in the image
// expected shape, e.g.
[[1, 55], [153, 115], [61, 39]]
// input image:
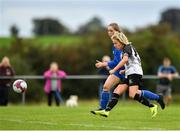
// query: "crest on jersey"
[[130, 81]]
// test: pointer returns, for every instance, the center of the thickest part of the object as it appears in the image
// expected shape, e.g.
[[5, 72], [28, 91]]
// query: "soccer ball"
[[19, 86]]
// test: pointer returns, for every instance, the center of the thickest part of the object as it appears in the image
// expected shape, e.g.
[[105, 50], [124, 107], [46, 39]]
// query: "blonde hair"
[[120, 37]]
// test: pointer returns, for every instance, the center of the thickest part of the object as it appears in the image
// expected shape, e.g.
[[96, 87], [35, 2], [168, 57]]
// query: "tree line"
[[28, 57]]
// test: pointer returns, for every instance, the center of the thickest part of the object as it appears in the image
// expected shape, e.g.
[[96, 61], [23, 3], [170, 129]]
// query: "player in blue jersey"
[[166, 73], [115, 78], [133, 77]]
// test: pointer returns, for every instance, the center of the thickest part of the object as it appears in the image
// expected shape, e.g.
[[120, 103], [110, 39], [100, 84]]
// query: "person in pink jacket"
[[53, 86]]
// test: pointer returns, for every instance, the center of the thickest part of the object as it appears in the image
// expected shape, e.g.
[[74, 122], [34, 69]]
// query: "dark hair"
[[115, 27]]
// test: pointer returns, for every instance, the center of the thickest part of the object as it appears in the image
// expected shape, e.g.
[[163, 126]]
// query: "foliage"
[[77, 55], [94, 25], [14, 31], [48, 26], [172, 17]]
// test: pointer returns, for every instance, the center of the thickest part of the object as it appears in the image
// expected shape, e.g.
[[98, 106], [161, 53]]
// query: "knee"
[[106, 88], [131, 94]]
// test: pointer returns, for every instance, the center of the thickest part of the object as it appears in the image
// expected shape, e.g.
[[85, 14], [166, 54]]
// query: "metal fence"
[[33, 77]]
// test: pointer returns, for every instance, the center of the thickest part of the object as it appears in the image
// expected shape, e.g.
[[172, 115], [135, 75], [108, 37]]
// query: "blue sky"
[[130, 14]]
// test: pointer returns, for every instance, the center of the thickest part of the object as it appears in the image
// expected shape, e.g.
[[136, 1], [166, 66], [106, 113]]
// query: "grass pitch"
[[125, 116]]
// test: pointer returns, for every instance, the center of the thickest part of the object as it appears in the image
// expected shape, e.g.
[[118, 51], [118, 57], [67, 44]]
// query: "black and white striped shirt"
[[133, 66]]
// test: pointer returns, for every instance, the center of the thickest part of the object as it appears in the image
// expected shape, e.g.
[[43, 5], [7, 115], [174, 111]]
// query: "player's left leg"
[[135, 94], [121, 88], [152, 96]]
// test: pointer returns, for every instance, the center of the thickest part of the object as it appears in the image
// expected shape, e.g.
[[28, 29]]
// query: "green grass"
[[63, 40], [125, 115], [5, 42]]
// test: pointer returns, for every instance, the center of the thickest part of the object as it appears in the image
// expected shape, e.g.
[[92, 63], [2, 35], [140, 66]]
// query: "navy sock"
[[113, 102], [149, 95], [104, 99], [142, 100]]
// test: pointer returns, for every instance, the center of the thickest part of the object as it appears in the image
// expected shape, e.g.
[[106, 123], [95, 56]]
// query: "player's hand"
[[112, 72], [99, 64], [122, 72]]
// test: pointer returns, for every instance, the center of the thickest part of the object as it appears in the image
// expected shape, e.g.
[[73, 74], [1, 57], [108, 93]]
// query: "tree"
[[172, 17], [94, 25], [48, 26], [14, 31]]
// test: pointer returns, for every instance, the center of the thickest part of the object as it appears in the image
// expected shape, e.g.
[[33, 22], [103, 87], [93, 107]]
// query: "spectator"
[[103, 71], [5, 70], [166, 73], [53, 86]]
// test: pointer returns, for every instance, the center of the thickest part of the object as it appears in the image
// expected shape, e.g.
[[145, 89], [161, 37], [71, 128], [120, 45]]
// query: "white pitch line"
[[100, 126], [82, 125], [35, 122]]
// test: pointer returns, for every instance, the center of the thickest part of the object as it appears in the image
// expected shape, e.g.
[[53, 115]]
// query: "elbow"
[[125, 59]]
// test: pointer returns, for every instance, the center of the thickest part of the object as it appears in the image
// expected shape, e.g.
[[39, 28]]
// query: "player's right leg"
[[153, 110], [110, 82]]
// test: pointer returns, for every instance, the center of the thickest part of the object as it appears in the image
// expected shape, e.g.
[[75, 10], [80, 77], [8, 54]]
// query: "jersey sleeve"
[[112, 64], [173, 69], [127, 50], [160, 69]]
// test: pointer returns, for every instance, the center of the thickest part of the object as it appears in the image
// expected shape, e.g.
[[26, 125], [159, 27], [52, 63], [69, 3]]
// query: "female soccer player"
[[133, 77], [115, 77]]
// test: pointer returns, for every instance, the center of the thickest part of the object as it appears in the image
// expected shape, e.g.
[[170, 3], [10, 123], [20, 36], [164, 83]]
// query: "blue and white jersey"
[[117, 58], [166, 70]]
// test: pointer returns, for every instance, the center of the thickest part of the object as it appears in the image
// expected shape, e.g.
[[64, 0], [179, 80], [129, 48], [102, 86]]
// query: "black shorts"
[[132, 80]]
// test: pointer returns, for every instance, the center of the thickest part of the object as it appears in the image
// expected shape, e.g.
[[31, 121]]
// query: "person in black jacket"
[[5, 70]]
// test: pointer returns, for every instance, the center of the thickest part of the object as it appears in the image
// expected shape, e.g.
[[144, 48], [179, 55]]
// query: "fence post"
[[23, 98]]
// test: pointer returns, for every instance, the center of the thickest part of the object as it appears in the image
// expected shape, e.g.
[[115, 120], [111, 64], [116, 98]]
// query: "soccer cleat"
[[153, 110], [96, 112], [161, 102], [104, 113]]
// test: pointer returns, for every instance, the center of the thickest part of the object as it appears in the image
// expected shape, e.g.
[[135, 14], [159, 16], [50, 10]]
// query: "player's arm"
[[122, 71], [111, 64], [100, 64], [120, 64]]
